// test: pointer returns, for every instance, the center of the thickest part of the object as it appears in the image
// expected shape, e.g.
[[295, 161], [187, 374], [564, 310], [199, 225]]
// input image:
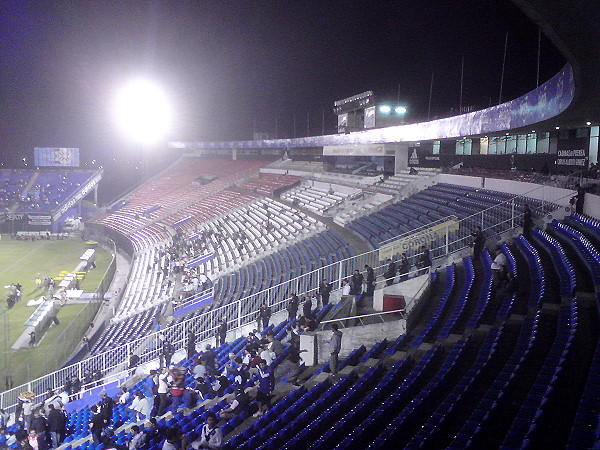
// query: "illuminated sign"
[[56, 157]]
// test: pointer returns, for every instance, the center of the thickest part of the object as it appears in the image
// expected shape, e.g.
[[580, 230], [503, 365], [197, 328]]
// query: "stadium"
[[393, 284]]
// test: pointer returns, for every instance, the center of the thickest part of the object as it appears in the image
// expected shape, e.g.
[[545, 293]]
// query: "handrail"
[[360, 316], [243, 311]]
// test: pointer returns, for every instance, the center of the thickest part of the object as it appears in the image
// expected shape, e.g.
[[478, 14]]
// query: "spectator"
[[175, 439], [150, 387], [221, 384], [36, 441], [335, 345], [177, 386], [264, 314], [27, 413], [190, 398], [138, 439], [162, 382], [75, 384], [211, 435], [293, 364], [404, 267], [167, 352], [40, 425], [579, 199], [97, 424], [325, 292], [356, 283], [478, 242], [423, 261], [307, 306], [345, 288], [267, 355], [191, 344], [57, 425], [370, 280], [307, 323], [238, 404], [140, 406], [204, 389], [274, 345], [199, 369], [241, 374], [106, 406], [125, 395], [134, 360], [292, 307], [221, 333], [265, 387], [153, 430], [209, 357], [390, 273], [498, 267]]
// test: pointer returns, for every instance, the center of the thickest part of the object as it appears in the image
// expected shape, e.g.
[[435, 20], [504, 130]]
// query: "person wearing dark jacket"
[[264, 314], [356, 283], [370, 280], [222, 333], [325, 292], [40, 425], [96, 424], [167, 352], [190, 346], [390, 273], [404, 267], [106, 407], [57, 425], [134, 360], [238, 404], [423, 260], [478, 241], [579, 199], [204, 389], [292, 307], [307, 306]]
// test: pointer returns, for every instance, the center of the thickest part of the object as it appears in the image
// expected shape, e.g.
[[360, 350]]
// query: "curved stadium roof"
[[570, 99]]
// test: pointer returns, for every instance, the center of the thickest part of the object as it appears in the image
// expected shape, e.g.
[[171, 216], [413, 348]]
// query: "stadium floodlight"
[[385, 109], [143, 111], [400, 110]]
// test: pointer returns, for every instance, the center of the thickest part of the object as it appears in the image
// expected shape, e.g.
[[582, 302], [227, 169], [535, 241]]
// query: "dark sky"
[[233, 66]]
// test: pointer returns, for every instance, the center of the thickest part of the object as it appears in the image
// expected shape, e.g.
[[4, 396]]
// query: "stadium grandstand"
[[424, 285], [44, 200]]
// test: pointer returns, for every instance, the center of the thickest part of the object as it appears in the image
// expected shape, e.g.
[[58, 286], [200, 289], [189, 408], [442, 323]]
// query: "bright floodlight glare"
[[385, 109], [143, 111], [400, 110]]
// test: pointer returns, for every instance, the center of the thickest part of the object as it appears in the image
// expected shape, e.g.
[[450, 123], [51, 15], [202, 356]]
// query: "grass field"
[[22, 261]]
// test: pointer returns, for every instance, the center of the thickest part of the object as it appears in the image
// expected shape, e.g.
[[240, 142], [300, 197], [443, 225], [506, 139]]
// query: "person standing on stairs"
[[335, 345]]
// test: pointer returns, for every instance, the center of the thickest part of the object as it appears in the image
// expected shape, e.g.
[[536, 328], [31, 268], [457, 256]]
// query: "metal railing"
[[345, 321], [497, 219]]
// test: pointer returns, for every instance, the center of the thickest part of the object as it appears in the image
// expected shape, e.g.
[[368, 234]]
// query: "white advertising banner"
[[425, 236], [360, 150]]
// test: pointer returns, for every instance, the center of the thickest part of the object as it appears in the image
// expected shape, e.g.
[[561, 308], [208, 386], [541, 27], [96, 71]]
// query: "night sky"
[[231, 67]]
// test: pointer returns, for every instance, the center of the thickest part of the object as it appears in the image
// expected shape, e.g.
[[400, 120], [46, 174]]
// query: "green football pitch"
[[21, 262]]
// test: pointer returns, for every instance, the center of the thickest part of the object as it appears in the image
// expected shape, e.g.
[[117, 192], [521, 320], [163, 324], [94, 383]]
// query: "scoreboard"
[[56, 157]]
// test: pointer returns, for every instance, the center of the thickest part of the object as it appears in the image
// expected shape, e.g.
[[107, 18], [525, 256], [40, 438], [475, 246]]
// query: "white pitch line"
[[22, 258]]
